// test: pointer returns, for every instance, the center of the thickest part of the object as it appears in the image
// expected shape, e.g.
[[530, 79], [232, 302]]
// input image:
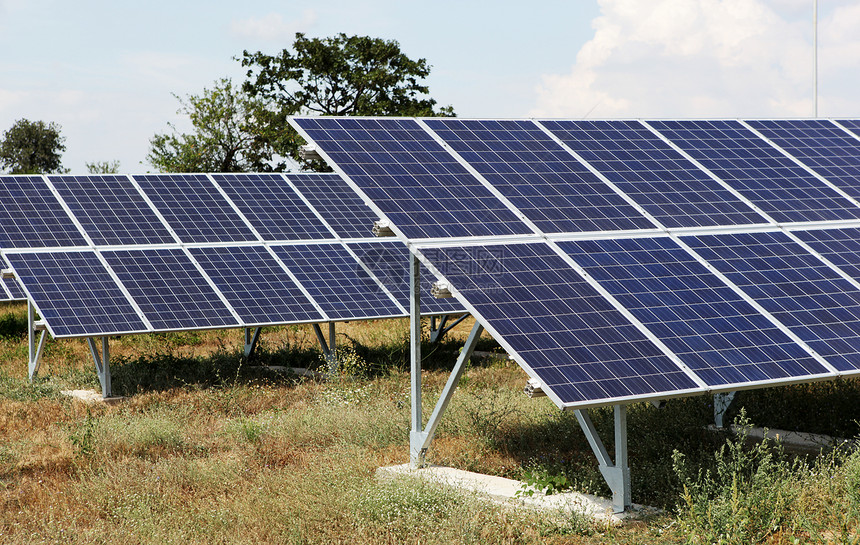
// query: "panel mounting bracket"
[[251, 340], [438, 327], [102, 362], [328, 348], [36, 348], [616, 474]]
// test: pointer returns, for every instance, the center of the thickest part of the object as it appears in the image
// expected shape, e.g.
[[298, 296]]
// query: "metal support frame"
[[438, 329], [102, 364], [251, 340], [328, 347], [617, 474], [36, 348], [722, 402]]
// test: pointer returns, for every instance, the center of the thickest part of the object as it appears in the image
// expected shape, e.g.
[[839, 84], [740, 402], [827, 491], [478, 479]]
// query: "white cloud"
[[272, 27], [708, 58]]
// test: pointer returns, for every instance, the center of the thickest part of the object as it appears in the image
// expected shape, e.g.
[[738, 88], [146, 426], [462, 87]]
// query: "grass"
[[211, 448]]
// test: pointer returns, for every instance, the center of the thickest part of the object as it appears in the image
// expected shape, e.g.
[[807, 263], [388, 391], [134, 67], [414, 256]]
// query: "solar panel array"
[[110, 255], [626, 260]]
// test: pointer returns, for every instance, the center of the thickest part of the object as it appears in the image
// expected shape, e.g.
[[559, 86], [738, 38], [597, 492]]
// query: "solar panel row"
[[623, 315], [253, 252]]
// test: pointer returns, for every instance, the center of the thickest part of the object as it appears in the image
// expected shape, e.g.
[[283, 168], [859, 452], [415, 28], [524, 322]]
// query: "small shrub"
[[748, 498]]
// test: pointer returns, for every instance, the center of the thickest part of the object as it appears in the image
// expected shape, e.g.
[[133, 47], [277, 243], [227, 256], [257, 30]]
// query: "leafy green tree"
[[103, 167], [32, 147], [339, 75], [223, 139]]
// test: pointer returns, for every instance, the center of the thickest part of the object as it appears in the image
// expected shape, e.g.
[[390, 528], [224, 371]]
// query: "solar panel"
[[389, 262], [32, 217], [419, 186], [337, 282], [839, 246], [543, 180], [111, 210], [819, 144], [194, 208], [339, 205], [256, 285], [272, 207], [569, 335], [657, 177], [714, 331], [775, 183], [169, 289], [811, 299], [851, 124], [75, 294], [16, 293]]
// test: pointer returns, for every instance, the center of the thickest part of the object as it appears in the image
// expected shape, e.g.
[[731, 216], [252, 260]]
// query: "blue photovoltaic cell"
[[389, 262], [772, 181], [573, 339], [711, 328], [339, 205], [75, 294], [111, 210], [194, 208], [256, 285], [797, 288], [169, 289], [272, 207], [32, 217], [820, 145], [418, 185], [661, 180], [544, 181], [851, 124], [15, 289], [337, 282], [840, 246]]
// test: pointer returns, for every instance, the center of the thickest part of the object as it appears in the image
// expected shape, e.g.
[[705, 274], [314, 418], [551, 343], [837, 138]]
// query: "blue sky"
[[106, 71]]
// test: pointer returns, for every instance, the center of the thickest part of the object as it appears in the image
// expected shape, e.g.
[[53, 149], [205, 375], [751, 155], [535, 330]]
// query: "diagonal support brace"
[[328, 347], [616, 474], [438, 329], [251, 340], [419, 440], [36, 348], [102, 362], [722, 402]]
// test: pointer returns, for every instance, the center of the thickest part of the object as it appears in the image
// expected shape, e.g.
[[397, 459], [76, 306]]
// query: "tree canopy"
[[223, 137], [339, 75], [32, 147]]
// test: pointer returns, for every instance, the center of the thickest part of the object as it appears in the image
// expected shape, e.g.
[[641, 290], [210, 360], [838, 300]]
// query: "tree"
[[223, 137], [340, 75], [32, 147], [103, 167]]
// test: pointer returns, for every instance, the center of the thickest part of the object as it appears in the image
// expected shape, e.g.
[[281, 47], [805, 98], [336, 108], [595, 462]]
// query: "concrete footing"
[[501, 490], [91, 397]]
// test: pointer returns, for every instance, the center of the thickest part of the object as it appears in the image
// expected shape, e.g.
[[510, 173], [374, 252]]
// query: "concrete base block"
[[91, 397], [502, 490]]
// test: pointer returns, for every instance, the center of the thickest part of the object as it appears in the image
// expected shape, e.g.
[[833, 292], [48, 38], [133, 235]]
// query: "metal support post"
[[617, 474], [102, 364], [438, 329], [416, 437], [251, 340], [328, 347], [722, 402], [425, 436], [36, 348]]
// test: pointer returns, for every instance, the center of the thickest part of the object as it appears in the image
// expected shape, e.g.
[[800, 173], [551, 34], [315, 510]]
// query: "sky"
[[108, 71]]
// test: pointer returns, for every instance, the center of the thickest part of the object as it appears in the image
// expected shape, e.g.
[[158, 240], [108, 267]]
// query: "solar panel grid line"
[[33, 217], [532, 372], [855, 133], [297, 282], [836, 268], [627, 198], [801, 164], [755, 304], [341, 207], [235, 207], [737, 194], [155, 210], [480, 177], [124, 290], [68, 210], [310, 205], [213, 285], [629, 315], [376, 279]]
